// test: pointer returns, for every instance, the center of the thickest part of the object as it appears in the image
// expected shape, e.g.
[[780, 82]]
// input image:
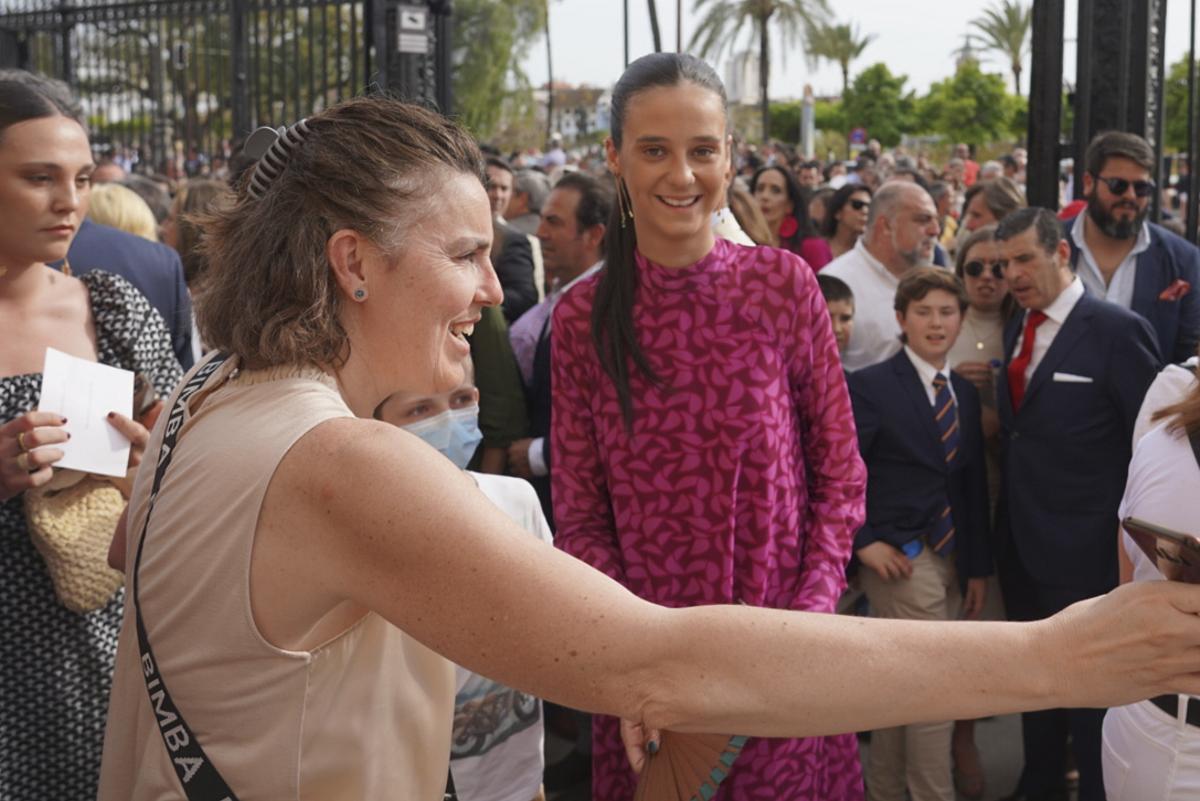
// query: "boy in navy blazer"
[[923, 551], [1076, 371]]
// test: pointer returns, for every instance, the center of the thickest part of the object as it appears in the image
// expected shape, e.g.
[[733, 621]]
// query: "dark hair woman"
[[58, 661], [785, 205], [846, 217], [744, 422]]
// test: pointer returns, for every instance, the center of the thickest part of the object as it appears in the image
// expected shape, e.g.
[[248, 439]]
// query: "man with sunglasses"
[[1123, 258]]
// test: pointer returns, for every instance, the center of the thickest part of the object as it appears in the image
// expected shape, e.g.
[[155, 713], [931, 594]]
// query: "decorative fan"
[[687, 767]]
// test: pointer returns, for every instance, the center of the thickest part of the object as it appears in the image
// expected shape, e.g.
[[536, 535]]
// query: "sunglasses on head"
[[859, 205], [976, 268], [1118, 186]]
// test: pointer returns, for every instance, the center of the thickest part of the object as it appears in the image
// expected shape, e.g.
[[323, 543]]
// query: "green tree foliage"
[[840, 44], [1175, 106], [1004, 30], [971, 106], [878, 102], [490, 37], [723, 21]]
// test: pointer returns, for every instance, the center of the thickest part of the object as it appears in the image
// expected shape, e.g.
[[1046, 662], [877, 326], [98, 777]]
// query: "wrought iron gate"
[[171, 84]]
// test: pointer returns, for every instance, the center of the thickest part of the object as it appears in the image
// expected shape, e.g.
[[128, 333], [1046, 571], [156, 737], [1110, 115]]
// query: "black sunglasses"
[[1118, 186], [976, 268], [859, 205]]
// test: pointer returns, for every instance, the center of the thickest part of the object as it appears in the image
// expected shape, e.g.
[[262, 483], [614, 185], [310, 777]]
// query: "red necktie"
[[1017, 367]]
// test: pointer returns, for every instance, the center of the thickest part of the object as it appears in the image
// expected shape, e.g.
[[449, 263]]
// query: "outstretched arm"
[[361, 512]]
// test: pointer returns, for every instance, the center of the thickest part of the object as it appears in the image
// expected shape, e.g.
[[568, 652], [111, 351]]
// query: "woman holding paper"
[[57, 662]]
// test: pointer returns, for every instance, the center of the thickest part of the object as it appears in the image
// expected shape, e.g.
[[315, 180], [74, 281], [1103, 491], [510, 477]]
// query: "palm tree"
[[724, 21], [1004, 30], [840, 44]]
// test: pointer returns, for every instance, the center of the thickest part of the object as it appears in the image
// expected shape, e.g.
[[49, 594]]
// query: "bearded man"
[[1126, 260]]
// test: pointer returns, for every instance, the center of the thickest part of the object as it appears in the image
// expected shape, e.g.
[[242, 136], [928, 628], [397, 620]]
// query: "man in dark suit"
[[154, 269], [574, 221], [923, 551], [512, 254], [1076, 371], [1123, 258]]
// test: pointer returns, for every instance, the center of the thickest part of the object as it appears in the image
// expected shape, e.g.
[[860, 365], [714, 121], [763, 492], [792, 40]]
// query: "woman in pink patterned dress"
[[703, 442]]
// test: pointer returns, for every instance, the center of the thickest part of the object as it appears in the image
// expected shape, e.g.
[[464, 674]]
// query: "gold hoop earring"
[[624, 203]]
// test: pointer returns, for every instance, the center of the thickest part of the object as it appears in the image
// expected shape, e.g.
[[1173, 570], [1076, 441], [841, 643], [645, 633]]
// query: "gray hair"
[[887, 201], [534, 185]]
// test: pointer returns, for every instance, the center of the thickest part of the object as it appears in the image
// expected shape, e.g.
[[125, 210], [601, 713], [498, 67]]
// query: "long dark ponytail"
[[613, 330]]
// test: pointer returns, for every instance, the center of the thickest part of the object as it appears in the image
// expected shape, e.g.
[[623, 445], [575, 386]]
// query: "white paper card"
[[85, 392]]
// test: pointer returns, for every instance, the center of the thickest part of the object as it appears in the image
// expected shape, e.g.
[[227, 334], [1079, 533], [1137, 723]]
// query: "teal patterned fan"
[[687, 767]]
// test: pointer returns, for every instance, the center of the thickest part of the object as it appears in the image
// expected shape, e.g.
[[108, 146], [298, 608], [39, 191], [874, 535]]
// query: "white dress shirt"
[[876, 334], [927, 372], [1120, 289], [1056, 314]]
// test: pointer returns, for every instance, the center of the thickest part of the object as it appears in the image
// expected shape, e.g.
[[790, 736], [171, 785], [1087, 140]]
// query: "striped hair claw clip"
[[271, 148]]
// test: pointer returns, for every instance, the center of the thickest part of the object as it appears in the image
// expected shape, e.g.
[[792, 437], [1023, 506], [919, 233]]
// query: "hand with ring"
[[27, 452]]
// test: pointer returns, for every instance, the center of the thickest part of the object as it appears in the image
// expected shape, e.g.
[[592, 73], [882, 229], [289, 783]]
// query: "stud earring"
[[360, 294]]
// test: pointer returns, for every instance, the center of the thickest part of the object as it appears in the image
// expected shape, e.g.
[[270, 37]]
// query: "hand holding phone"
[[1176, 554]]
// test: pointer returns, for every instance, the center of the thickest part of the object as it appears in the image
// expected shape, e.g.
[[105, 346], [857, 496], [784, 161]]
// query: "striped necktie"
[[941, 539]]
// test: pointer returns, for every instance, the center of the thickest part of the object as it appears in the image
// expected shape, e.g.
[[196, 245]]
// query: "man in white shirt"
[[1076, 371], [902, 230]]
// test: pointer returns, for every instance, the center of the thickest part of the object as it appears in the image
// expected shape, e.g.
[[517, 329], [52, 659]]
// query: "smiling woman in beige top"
[[305, 565]]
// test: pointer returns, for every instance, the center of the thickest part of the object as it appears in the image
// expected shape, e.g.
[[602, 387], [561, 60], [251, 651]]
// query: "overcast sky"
[[914, 38]]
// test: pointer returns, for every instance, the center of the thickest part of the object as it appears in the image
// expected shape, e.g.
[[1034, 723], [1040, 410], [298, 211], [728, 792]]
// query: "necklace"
[[981, 341]]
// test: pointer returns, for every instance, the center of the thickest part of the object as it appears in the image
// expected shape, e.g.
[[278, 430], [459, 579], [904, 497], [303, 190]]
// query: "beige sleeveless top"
[[365, 716]]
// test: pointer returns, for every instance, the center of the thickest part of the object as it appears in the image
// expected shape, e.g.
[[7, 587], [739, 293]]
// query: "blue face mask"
[[454, 433]]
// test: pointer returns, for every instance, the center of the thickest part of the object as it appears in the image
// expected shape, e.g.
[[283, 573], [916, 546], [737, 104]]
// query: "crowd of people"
[[579, 425]]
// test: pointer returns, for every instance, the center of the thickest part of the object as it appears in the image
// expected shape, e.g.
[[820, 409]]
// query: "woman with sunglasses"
[[785, 205], [975, 355], [846, 218]]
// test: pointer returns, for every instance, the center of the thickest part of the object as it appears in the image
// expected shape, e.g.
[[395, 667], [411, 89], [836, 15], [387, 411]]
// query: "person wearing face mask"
[[496, 751], [902, 230], [1123, 258]]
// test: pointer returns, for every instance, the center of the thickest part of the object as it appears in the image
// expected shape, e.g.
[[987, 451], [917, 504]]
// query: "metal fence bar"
[[172, 81]]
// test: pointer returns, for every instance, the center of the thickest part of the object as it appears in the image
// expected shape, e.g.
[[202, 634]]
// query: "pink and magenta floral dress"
[[741, 481]]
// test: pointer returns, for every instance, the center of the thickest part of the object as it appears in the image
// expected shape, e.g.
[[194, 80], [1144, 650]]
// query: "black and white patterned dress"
[[55, 664]]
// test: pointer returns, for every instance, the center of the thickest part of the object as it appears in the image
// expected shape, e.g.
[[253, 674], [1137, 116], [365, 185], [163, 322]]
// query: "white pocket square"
[[1071, 378]]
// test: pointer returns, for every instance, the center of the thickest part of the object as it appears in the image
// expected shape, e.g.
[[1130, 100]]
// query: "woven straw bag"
[[71, 522]]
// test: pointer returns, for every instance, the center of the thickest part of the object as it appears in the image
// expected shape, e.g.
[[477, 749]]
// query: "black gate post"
[[443, 11], [378, 66], [66, 60], [10, 52], [1147, 60], [240, 97], [1120, 73], [1045, 102]]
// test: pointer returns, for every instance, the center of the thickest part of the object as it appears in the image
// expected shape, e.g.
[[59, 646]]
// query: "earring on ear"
[[360, 294], [624, 204]]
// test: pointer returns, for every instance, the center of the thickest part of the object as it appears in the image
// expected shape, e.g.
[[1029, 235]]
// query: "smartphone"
[[1175, 553]]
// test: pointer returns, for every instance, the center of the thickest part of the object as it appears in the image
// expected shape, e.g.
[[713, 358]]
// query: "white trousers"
[[1148, 756]]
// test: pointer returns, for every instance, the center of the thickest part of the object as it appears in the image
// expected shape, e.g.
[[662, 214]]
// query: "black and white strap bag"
[[200, 779]]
